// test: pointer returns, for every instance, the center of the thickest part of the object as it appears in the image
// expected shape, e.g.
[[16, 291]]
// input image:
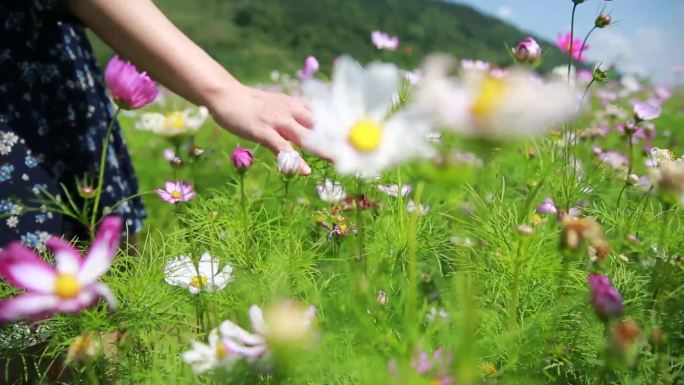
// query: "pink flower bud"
[[310, 67], [130, 89], [242, 159], [528, 51]]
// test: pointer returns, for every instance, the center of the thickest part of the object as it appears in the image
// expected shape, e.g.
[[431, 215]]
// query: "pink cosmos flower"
[[169, 154], [69, 287], [310, 67], [528, 51], [242, 159], [645, 111], [385, 41], [175, 192], [564, 42], [547, 207], [130, 89]]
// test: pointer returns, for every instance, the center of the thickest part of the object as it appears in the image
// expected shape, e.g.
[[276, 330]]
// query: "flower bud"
[[86, 191], [289, 162], [599, 75], [632, 179], [83, 349], [528, 51], [176, 162], [525, 230], [603, 20], [242, 159], [547, 207], [606, 299], [382, 297]]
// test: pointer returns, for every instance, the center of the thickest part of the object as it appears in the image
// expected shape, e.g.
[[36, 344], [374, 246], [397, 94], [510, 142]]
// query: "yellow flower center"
[[67, 286], [198, 281], [175, 120], [221, 351], [491, 94], [176, 194], [365, 135]]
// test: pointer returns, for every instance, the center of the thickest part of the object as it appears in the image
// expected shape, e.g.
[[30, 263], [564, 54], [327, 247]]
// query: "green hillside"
[[253, 37]]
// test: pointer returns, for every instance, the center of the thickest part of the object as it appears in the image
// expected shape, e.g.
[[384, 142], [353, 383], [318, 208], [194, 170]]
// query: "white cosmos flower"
[[354, 127], [330, 191], [393, 190], [421, 209], [206, 276], [516, 104], [174, 123], [205, 357], [288, 162], [285, 322]]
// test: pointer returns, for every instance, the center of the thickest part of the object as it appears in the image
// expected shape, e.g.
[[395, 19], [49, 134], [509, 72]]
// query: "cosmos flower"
[[175, 192], [69, 287], [242, 159], [384, 41], [518, 104], [330, 191], [174, 123], [218, 352], [352, 124], [420, 209], [289, 162], [130, 89], [606, 300], [393, 190], [645, 111], [285, 322], [309, 68], [564, 43], [205, 276], [528, 51], [547, 207], [668, 178], [434, 368]]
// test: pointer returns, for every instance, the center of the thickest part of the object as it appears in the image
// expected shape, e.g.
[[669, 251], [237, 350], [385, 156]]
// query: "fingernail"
[[306, 170]]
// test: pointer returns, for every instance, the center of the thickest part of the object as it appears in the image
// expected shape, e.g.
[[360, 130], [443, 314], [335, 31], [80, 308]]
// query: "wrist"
[[218, 96]]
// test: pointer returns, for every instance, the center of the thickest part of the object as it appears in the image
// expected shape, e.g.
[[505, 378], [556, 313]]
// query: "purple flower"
[[130, 89], [69, 287], [384, 41], [169, 154], [606, 300], [547, 207], [242, 159], [645, 111], [310, 67], [175, 192], [528, 51]]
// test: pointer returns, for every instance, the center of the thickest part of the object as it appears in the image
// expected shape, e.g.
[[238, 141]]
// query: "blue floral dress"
[[54, 113]]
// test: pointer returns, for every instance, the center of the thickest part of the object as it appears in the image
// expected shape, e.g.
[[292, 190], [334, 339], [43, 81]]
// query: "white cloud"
[[504, 12]]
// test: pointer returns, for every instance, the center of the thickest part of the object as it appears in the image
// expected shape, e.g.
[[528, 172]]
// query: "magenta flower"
[[645, 111], [384, 41], [547, 207], [175, 192], [242, 159], [69, 287], [130, 89], [310, 67], [606, 300], [528, 51], [564, 42]]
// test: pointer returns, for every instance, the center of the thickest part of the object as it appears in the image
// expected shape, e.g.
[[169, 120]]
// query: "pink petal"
[[165, 196], [104, 291], [257, 318], [85, 299], [24, 269], [102, 251], [170, 187], [30, 305]]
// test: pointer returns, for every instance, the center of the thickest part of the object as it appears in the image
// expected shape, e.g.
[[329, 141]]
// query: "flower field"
[[470, 224]]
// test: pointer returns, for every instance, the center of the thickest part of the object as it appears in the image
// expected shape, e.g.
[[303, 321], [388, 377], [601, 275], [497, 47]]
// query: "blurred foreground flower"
[[175, 123], [69, 287], [384, 41], [606, 300], [130, 89], [668, 177], [644, 111], [84, 349], [205, 276], [175, 192], [219, 352], [517, 104], [284, 323], [570, 46], [352, 124]]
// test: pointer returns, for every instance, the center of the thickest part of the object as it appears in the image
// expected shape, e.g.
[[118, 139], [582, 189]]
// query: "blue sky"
[[648, 37]]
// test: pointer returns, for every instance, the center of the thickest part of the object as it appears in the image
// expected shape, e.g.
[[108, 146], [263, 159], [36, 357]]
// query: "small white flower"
[[393, 190], [205, 357], [289, 162], [5, 149], [437, 313], [354, 127], [12, 221], [16, 209], [330, 191], [206, 276], [174, 123], [420, 209], [9, 138]]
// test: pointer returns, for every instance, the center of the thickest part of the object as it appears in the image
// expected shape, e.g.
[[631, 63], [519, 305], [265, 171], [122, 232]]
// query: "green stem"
[[586, 38], [572, 37], [245, 213], [100, 180], [412, 295], [92, 376]]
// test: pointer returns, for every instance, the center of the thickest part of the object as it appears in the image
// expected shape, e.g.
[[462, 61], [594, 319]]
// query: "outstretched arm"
[[139, 31]]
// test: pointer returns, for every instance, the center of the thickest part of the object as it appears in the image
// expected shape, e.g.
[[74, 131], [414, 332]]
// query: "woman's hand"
[[269, 118]]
